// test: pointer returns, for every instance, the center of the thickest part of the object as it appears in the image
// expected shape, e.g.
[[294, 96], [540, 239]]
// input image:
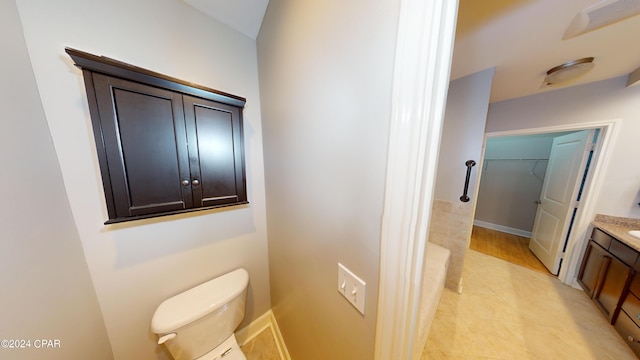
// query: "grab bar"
[[469, 164]]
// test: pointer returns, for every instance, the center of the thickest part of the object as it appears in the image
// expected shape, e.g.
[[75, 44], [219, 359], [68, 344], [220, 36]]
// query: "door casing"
[[577, 241]]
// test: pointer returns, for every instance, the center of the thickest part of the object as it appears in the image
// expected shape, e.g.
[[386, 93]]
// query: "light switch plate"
[[351, 287]]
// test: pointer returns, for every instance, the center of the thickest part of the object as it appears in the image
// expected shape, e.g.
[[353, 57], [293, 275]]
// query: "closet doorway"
[[513, 199]]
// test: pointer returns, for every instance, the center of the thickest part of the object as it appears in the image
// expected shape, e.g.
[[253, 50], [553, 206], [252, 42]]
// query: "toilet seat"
[[228, 350]]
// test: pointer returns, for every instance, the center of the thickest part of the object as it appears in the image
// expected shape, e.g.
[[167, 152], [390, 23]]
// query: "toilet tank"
[[204, 316]]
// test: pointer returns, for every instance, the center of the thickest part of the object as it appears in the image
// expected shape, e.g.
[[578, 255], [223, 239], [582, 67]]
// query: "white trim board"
[[424, 47], [577, 240], [502, 228], [265, 321]]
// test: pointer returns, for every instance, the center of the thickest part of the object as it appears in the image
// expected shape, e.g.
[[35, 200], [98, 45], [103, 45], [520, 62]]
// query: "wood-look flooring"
[[508, 247]]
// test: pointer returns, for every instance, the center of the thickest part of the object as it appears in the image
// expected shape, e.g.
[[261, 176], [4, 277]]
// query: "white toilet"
[[200, 322]]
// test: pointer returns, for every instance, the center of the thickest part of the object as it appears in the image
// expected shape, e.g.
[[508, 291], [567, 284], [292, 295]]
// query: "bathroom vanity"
[[610, 275]]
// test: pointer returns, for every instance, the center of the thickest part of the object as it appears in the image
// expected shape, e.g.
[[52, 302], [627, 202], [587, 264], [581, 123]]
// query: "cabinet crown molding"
[[109, 66]]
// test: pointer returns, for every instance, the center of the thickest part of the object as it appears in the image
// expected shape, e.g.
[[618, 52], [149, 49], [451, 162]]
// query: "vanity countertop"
[[619, 227]]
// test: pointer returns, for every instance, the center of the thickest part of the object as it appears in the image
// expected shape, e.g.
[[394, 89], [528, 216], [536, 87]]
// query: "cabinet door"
[[592, 268], [144, 141], [609, 294], [216, 152]]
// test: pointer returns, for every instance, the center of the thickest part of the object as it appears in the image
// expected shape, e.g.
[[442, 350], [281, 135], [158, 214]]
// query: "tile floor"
[[262, 347], [508, 312]]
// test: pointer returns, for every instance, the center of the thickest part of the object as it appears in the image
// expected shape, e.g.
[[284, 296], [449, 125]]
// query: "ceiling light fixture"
[[568, 71]]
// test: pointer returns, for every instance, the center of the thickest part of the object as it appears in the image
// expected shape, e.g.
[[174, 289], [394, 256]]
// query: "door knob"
[[185, 182], [195, 182]]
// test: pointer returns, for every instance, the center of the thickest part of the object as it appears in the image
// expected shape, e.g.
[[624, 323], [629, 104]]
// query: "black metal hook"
[[469, 164]]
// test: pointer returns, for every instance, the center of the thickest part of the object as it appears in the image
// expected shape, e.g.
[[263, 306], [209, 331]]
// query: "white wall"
[[44, 280], [512, 176], [603, 100], [535, 146], [462, 134], [462, 138], [136, 265], [325, 76]]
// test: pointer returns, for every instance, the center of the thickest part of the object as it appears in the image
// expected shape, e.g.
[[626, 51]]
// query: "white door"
[[558, 199]]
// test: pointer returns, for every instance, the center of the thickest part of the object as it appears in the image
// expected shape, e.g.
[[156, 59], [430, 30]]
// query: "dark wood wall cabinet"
[[164, 145], [610, 275]]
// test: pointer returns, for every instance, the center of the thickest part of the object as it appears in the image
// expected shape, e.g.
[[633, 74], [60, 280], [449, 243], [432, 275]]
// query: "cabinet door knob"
[[195, 182], [185, 182]]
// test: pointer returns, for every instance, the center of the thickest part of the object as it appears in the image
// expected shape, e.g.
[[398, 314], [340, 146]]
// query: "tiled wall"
[[451, 229]]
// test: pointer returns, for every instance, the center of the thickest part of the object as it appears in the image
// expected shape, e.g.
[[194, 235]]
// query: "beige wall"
[[44, 280], [136, 265], [462, 137], [325, 77]]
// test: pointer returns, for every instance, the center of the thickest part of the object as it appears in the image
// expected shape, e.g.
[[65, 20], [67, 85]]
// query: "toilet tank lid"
[[199, 301]]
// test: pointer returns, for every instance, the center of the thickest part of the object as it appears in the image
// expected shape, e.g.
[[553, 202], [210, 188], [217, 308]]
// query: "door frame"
[[593, 184], [424, 49]]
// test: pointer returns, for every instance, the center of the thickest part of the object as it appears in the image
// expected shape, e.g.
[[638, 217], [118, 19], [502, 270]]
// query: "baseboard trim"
[[502, 228], [266, 320], [282, 348], [252, 330]]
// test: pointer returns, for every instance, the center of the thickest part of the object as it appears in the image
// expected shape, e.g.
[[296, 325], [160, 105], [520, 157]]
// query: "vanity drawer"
[[636, 267], [623, 252], [601, 238], [629, 331], [631, 306], [635, 285]]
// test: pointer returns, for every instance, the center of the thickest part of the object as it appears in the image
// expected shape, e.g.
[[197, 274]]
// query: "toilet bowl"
[[228, 350], [199, 323]]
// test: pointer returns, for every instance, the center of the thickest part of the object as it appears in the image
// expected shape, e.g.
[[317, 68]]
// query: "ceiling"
[[244, 16], [521, 38]]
